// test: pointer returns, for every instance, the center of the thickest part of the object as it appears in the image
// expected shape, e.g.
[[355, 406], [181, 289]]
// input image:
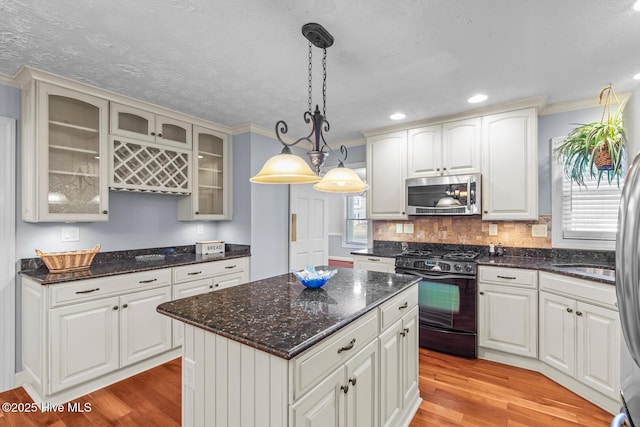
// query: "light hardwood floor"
[[456, 392]]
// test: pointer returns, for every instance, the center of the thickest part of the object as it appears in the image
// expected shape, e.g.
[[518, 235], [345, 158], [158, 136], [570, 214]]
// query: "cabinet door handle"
[[210, 286], [147, 281], [88, 291], [125, 305], [352, 381], [160, 135], [406, 330], [153, 134], [347, 347], [569, 310], [403, 334], [486, 212], [344, 388], [374, 259], [481, 292], [294, 227], [437, 169], [403, 306], [115, 307], [578, 313], [507, 277], [105, 212], [231, 266], [194, 273]]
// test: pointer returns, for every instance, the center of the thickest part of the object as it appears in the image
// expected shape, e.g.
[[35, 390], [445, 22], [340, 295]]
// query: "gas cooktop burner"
[[417, 253], [461, 255], [456, 255]]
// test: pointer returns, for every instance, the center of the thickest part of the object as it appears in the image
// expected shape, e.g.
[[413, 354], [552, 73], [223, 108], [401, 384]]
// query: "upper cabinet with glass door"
[[143, 125], [64, 161], [210, 197]]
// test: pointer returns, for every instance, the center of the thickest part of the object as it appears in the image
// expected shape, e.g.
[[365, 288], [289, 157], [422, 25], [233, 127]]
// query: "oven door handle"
[[436, 276]]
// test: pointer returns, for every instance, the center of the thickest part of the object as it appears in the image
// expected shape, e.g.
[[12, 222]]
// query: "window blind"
[[590, 213]]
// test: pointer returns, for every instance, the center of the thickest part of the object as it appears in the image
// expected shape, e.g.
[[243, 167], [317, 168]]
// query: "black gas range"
[[446, 298]]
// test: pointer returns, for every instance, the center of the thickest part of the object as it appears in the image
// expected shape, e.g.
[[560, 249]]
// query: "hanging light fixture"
[[287, 168]]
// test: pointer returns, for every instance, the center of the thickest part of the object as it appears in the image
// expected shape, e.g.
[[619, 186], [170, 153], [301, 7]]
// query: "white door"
[[308, 227], [557, 332]]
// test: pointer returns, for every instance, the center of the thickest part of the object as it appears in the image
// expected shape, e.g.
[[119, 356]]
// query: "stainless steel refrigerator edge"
[[628, 293]]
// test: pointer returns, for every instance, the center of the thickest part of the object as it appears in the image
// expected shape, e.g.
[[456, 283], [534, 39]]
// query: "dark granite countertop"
[[384, 252], [280, 316], [556, 265], [123, 262]]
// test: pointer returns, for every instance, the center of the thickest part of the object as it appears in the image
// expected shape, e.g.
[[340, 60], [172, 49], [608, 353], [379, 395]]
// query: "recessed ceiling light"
[[636, 77], [636, 5], [397, 116], [479, 97]]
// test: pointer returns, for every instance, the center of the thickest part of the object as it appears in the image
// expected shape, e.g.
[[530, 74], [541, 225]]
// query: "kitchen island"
[[274, 353]]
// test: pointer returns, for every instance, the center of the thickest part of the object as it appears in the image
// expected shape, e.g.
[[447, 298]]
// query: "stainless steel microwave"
[[444, 195]]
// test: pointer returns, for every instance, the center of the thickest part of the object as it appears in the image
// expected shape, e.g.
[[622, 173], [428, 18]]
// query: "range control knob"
[[468, 268], [457, 267]]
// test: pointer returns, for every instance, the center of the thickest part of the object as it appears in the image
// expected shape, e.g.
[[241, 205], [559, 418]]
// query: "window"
[[583, 218], [355, 224]]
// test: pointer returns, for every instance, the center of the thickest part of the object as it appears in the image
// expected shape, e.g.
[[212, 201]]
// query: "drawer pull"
[[194, 273], [569, 310], [125, 305], [578, 313], [87, 291], [347, 347], [115, 307], [481, 292], [147, 281], [344, 388], [352, 381], [507, 277], [231, 266], [374, 259], [403, 306]]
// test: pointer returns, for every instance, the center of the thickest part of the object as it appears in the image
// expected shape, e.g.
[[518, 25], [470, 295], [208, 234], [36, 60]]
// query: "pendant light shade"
[[341, 180], [285, 168]]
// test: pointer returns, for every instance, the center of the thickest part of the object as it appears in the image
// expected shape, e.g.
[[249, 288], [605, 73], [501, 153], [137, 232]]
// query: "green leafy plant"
[[596, 149]]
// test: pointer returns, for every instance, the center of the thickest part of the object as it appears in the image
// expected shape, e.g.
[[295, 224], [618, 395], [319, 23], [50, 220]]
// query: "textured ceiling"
[[245, 61]]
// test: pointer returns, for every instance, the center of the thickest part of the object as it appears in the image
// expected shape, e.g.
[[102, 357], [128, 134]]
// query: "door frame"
[[292, 195]]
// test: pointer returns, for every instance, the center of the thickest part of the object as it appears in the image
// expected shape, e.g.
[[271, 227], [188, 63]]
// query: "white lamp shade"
[[341, 180], [285, 169]]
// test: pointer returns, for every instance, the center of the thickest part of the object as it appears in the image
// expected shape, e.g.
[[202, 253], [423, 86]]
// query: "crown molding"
[[579, 104], [8, 80], [535, 102]]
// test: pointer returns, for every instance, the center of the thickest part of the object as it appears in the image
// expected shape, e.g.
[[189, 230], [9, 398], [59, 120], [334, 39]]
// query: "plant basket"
[[59, 262], [602, 159]]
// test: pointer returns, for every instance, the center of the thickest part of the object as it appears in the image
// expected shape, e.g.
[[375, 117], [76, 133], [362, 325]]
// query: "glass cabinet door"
[[211, 173], [173, 132], [132, 122], [75, 186]]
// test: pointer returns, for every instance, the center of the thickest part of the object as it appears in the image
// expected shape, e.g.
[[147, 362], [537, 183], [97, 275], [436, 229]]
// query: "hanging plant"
[[596, 149]]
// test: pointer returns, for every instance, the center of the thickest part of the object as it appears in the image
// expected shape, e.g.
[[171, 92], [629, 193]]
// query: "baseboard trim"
[[20, 378]]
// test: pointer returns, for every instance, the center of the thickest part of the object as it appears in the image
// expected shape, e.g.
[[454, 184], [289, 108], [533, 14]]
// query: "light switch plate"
[[199, 229], [539, 230], [69, 234], [398, 228], [407, 228], [493, 229]]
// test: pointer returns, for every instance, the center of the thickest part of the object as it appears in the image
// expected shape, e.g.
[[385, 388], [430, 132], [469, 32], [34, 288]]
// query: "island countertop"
[[280, 316]]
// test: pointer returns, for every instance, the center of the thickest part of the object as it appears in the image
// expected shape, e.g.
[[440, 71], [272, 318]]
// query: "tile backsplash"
[[465, 230]]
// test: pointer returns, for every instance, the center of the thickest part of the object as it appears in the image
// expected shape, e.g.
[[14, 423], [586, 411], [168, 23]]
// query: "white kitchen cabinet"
[[85, 334], [579, 338], [580, 333], [510, 165], [398, 368], [450, 148], [211, 185], [386, 174], [374, 263], [64, 153], [347, 397], [508, 310], [197, 279], [135, 123]]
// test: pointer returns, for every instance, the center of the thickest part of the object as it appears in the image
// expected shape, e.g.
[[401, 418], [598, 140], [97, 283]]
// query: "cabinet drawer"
[[582, 290], [395, 308], [208, 269], [85, 290], [315, 364], [508, 276]]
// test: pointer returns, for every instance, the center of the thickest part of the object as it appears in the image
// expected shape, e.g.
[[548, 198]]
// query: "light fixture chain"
[[310, 77], [324, 83]]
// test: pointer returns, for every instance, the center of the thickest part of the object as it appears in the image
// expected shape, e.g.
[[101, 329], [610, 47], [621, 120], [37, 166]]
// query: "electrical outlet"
[[199, 229], [539, 230], [398, 228], [69, 234], [407, 228], [493, 229], [189, 368]]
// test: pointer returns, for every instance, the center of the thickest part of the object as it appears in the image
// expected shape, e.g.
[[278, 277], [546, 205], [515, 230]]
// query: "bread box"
[[210, 247]]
